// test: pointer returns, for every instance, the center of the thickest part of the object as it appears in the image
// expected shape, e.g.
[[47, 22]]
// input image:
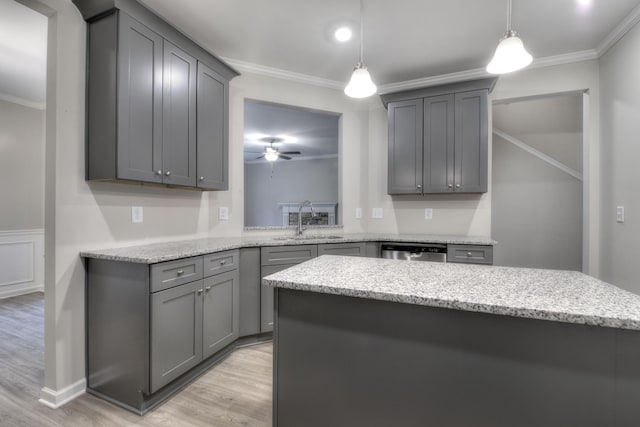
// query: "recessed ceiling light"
[[343, 34], [584, 2]]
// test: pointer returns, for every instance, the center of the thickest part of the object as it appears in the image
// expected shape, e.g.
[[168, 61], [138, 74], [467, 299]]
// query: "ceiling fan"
[[272, 154]]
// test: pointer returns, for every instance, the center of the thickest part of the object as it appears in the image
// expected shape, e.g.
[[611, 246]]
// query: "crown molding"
[[278, 73], [22, 101], [623, 28]]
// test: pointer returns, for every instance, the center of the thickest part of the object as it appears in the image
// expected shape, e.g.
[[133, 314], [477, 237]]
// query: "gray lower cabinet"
[[266, 297], [157, 103], [345, 249], [151, 328], [470, 254], [250, 278], [176, 332]]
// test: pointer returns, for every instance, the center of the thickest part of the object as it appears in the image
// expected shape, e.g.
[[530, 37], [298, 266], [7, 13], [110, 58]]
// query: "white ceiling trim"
[[278, 73], [623, 28], [23, 102]]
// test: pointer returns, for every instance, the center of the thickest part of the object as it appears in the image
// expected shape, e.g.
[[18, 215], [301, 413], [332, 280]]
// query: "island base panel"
[[344, 361]]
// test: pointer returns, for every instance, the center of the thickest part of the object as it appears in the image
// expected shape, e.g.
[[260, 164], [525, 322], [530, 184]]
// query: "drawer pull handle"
[[469, 254], [207, 289], [180, 272]]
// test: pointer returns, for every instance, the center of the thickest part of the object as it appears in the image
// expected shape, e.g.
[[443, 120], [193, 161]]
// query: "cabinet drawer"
[[277, 255], [347, 249], [220, 262], [471, 254], [173, 273]]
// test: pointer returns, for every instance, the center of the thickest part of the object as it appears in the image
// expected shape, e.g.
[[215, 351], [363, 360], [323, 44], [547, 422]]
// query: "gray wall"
[[267, 184], [21, 167], [537, 208], [620, 86]]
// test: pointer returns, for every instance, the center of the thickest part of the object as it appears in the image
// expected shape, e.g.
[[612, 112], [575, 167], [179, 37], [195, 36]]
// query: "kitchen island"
[[371, 342]]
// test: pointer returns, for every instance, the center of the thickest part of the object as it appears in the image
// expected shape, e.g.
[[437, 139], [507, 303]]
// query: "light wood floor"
[[236, 392]]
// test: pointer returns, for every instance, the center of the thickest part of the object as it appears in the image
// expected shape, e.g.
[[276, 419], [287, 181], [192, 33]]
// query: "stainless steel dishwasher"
[[434, 252]]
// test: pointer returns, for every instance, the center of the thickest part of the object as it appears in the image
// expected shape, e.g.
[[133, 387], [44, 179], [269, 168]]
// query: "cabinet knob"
[[223, 262], [419, 186], [207, 289], [158, 172], [469, 254], [450, 185], [199, 291], [202, 178], [180, 272], [168, 173], [457, 185]]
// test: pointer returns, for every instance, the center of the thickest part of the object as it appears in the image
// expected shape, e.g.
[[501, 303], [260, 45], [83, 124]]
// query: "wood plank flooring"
[[236, 392]]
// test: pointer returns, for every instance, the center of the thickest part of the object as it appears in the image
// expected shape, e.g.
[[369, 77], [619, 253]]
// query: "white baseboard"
[[21, 291], [55, 399]]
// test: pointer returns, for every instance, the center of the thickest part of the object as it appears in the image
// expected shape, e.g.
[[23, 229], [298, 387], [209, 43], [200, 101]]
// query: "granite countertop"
[[167, 251], [563, 296]]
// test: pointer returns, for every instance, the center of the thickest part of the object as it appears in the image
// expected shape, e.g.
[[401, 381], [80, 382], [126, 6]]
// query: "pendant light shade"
[[510, 54], [360, 85]]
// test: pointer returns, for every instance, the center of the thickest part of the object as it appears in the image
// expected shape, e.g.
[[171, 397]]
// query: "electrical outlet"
[[223, 213], [428, 213], [358, 213], [136, 215], [620, 214], [377, 213]]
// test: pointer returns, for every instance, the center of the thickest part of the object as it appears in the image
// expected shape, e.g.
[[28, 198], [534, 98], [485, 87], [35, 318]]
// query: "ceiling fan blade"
[[284, 157], [290, 152], [259, 157]]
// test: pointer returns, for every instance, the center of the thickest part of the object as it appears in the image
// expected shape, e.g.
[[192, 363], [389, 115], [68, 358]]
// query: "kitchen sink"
[[308, 237]]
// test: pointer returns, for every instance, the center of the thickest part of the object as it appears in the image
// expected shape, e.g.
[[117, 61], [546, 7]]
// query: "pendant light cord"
[[362, 36], [509, 15]]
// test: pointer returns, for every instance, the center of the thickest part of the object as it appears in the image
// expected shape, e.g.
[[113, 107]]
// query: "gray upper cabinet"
[[405, 147], [471, 142], [157, 103], [438, 138], [213, 131], [178, 117]]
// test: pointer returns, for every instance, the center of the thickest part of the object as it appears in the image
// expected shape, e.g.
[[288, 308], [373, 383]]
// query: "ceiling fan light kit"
[[360, 85], [510, 54]]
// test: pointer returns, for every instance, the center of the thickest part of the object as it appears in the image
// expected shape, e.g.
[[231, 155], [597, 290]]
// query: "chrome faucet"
[[313, 214]]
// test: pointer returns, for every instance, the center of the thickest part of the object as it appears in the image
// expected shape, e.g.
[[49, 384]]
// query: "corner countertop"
[[167, 251], [563, 296]]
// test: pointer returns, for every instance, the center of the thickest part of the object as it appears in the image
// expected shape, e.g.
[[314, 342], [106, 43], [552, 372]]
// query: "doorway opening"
[[538, 183]]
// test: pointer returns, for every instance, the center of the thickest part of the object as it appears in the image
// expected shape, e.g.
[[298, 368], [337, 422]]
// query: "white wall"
[[287, 181], [620, 86], [21, 167]]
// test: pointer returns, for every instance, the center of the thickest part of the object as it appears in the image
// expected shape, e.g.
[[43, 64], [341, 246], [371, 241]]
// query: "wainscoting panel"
[[21, 262]]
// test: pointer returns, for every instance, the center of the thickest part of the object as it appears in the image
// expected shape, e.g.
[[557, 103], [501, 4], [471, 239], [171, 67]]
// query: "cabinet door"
[[220, 314], [471, 137], [213, 133], [176, 332], [249, 291], [405, 147], [179, 117], [139, 102], [266, 297], [438, 144]]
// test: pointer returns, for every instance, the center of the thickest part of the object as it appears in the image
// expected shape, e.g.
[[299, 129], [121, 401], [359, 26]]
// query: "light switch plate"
[[428, 213], [358, 213], [136, 215], [620, 214], [223, 213], [377, 213]]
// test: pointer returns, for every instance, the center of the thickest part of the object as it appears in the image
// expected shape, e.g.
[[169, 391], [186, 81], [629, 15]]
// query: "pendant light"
[[360, 85], [510, 54]]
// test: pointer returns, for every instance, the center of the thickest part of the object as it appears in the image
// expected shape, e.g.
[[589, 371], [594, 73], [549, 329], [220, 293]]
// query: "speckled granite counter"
[[167, 251], [564, 296]]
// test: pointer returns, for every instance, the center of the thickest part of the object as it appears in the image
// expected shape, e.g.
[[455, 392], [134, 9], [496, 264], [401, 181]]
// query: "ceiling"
[[313, 133], [23, 53], [404, 39]]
